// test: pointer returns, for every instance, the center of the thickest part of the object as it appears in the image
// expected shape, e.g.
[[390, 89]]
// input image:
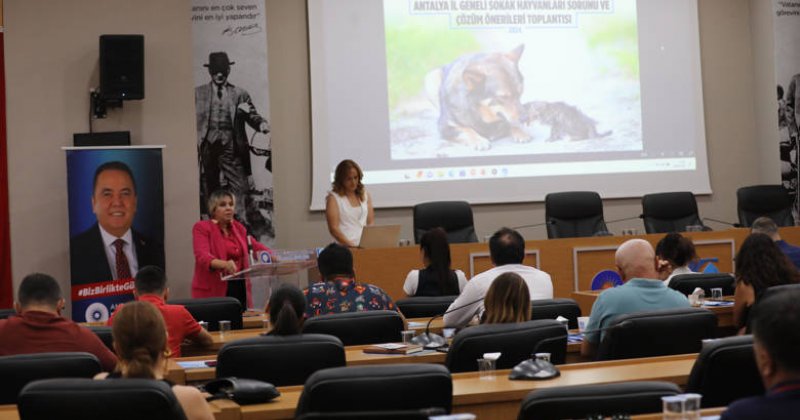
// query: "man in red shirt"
[[150, 285], [39, 328]]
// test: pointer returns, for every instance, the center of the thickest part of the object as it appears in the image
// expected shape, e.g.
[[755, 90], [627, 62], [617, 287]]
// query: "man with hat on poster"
[[222, 110]]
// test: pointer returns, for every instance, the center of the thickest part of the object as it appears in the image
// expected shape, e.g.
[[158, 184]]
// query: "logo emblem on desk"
[[264, 257], [606, 279]]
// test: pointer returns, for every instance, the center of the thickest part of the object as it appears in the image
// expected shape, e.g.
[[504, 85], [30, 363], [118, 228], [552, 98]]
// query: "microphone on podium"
[[430, 340]]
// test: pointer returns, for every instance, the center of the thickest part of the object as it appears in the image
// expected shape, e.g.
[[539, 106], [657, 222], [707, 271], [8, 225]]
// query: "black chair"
[[5, 313], [213, 310], [104, 334], [582, 401], [725, 371], [118, 399], [517, 342], [574, 214], [18, 370], [669, 212], [686, 283], [772, 201], [280, 360], [455, 217], [778, 289], [377, 388], [657, 333], [355, 328], [420, 414], [424, 306], [553, 308]]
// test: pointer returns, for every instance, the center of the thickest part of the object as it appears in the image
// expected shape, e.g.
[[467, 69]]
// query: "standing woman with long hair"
[[507, 300], [348, 207], [140, 341], [760, 264], [436, 279]]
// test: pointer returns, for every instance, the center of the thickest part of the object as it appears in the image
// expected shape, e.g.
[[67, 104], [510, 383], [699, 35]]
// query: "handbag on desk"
[[242, 391]]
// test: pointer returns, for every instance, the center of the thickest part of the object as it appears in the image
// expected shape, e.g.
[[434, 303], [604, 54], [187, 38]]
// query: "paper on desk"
[[717, 303], [414, 324], [194, 364], [492, 356]]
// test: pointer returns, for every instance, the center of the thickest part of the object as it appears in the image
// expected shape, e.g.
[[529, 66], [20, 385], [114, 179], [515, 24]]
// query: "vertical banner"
[[116, 224], [6, 288], [787, 75], [234, 146]]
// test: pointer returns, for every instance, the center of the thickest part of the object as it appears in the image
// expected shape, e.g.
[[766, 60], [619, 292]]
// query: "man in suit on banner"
[[111, 249]]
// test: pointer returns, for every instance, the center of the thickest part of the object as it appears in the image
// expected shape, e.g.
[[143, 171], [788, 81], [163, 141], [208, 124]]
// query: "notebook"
[[385, 236]]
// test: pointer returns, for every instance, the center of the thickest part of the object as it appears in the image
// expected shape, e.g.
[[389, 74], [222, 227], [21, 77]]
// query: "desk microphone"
[[549, 222], [434, 341], [736, 225], [624, 219]]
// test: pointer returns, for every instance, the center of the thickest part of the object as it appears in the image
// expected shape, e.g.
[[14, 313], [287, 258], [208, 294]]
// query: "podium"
[[293, 267]]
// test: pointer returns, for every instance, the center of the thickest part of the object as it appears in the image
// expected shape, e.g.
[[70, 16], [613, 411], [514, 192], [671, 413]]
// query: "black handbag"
[[242, 391]]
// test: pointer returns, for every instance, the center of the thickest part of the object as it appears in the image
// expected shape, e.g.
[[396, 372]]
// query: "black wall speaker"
[[122, 67]]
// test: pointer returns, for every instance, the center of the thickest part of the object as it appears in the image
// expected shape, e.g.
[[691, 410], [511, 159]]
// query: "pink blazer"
[[208, 244]]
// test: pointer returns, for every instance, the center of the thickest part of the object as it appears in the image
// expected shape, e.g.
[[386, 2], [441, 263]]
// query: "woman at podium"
[[222, 247], [348, 207]]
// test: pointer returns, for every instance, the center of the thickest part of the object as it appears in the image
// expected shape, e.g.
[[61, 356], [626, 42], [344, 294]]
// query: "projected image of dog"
[[478, 96]]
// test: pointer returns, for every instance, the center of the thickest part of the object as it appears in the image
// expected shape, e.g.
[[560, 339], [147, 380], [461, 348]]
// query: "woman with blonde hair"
[[140, 341], [507, 300], [348, 207]]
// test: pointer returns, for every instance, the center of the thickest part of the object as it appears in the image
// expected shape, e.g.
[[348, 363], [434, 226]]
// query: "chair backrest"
[[213, 310], [355, 328], [424, 306], [280, 360], [686, 283], [420, 414], [725, 371], [574, 214], [7, 312], [772, 201], [778, 289], [19, 370], [118, 399], [657, 333], [377, 388], [455, 217], [104, 334], [553, 308], [582, 401], [669, 212], [516, 342]]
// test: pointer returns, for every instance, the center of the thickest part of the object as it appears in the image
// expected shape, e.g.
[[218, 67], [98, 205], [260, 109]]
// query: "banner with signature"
[[234, 149], [787, 77]]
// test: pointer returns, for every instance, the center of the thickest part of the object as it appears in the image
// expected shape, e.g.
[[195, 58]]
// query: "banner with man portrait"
[[234, 150], [116, 224], [787, 75]]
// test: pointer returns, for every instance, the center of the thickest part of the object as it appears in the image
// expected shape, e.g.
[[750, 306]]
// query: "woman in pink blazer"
[[221, 248]]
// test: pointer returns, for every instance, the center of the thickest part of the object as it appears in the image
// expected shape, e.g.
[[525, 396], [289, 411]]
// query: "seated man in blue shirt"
[[776, 344], [637, 264], [340, 292], [768, 227]]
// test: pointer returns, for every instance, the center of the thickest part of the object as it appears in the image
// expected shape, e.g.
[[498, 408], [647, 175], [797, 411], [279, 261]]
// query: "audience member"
[[140, 340], [506, 250], [768, 227], [340, 292], [436, 279], [637, 264], [507, 300], [40, 328], [674, 252], [760, 264], [150, 285], [776, 344], [286, 308]]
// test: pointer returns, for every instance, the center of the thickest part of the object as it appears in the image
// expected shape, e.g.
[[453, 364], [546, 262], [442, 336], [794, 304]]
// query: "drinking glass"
[[224, 328], [716, 293], [486, 367], [673, 407], [408, 335]]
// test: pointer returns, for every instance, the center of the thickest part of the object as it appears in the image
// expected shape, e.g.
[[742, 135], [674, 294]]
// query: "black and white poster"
[[787, 76], [234, 143]]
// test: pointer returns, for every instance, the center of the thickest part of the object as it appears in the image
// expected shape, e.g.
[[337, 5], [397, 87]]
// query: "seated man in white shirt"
[[507, 250]]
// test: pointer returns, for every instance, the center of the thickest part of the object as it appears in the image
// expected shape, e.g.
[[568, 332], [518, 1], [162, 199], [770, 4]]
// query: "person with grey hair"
[[768, 227]]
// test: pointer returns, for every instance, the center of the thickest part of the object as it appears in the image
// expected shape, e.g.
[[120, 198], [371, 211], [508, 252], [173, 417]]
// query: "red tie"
[[123, 269]]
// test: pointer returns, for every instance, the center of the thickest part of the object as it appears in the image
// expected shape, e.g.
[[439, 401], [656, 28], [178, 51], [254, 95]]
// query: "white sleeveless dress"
[[351, 219]]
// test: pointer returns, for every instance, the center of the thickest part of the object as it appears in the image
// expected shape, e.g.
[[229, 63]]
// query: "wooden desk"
[[659, 416], [9, 412]]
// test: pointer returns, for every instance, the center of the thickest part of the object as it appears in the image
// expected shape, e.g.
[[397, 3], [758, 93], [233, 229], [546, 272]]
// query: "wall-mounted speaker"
[[122, 67]]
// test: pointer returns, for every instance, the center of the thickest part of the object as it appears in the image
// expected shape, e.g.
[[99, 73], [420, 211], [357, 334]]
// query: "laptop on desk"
[[385, 236]]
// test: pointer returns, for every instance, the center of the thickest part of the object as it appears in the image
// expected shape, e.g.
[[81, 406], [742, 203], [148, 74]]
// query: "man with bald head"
[[637, 264]]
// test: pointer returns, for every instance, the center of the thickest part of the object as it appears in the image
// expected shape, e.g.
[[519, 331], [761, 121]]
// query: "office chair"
[[574, 214], [104, 334], [353, 328], [657, 333], [280, 360], [213, 310], [669, 212], [606, 400], [772, 201], [118, 399], [553, 308], [725, 371], [455, 217], [686, 283], [19, 370], [516, 341], [424, 306], [377, 388]]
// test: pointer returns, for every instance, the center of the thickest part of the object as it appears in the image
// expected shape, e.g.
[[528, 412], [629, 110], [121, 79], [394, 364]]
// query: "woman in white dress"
[[348, 207], [436, 279], [674, 253]]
